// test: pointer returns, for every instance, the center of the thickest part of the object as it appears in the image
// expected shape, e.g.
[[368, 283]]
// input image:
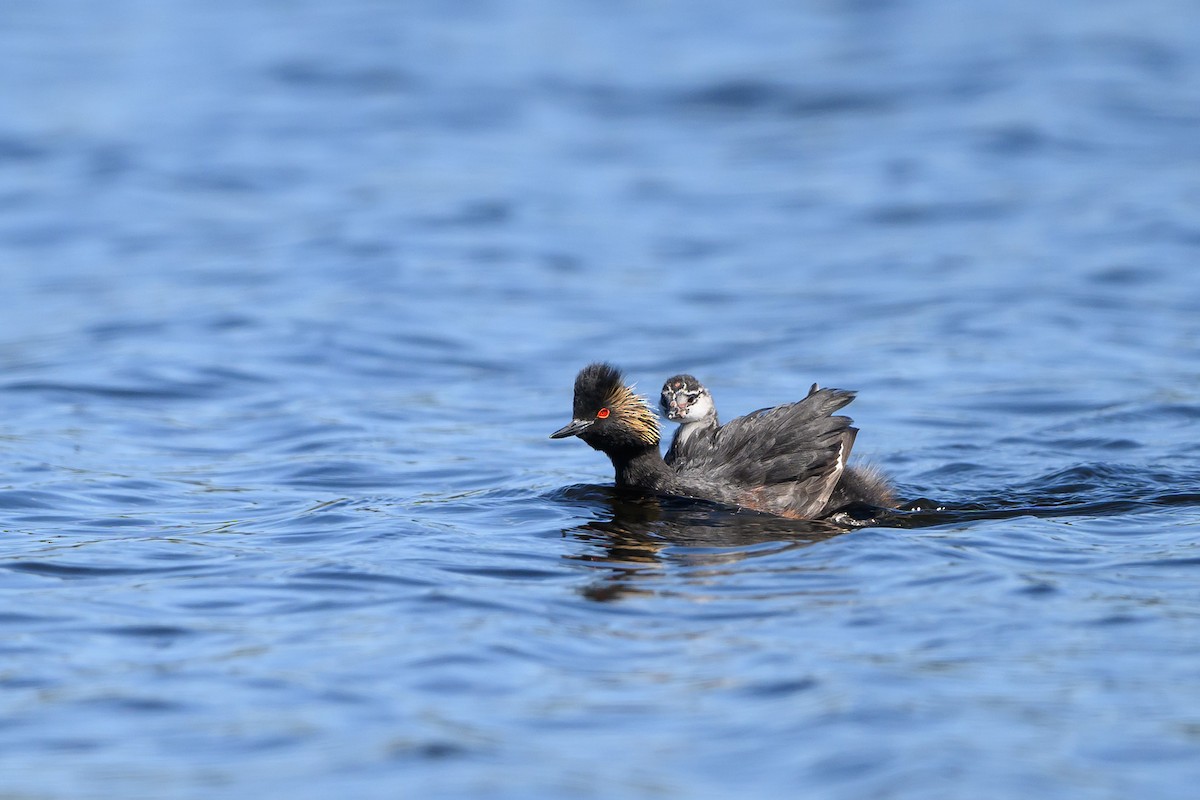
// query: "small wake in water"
[[637, 540], [1085, 490]]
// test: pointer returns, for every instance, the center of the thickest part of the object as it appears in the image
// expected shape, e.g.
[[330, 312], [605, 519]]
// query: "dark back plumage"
[[789, 458]]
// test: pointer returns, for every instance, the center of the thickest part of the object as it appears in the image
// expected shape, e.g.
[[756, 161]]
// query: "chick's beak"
[[574, 428]]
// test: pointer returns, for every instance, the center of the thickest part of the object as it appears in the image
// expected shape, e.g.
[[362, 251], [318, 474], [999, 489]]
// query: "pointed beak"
[[576, 427]]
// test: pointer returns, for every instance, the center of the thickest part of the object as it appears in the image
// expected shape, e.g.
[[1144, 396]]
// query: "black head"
[[607, 414]]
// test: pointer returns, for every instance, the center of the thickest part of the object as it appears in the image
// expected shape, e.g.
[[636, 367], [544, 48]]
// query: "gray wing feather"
[[789, 456]]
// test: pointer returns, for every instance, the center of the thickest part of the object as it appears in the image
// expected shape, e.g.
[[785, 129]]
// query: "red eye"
[[602, 414]]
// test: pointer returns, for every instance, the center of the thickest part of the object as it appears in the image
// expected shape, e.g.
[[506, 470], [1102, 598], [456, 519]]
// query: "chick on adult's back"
[[699, 441], [687, 401], [785, 460]]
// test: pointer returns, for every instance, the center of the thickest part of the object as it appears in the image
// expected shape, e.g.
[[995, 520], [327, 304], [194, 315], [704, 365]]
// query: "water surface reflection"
[[639, 536]]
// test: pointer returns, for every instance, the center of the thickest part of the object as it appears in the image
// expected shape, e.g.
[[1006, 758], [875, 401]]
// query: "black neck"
[[644, 469]]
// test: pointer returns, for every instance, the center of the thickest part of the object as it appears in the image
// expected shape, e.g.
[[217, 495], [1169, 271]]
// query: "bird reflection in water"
[[641, 534]]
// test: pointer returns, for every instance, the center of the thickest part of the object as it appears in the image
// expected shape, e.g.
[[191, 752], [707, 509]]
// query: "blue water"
[[293, 293]]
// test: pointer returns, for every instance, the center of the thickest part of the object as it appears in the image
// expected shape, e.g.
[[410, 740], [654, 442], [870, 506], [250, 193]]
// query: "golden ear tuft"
[[635, 411]]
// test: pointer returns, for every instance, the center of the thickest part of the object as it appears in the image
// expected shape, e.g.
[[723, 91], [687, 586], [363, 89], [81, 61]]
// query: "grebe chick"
[[687, 401], [786, 460]]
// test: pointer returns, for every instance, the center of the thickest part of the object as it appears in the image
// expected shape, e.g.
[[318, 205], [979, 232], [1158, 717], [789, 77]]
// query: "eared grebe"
[[786, 460], [686, 400]]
